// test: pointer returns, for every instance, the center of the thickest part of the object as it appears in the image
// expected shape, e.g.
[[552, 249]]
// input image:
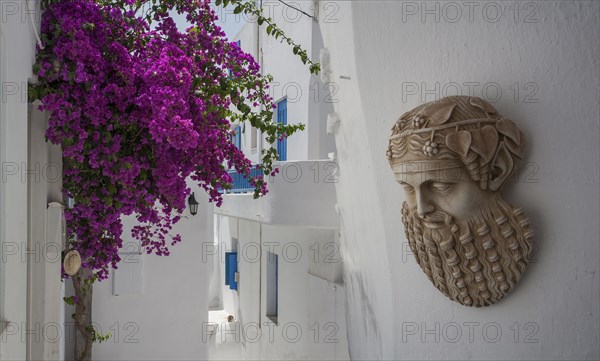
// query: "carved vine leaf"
[[484, 142], [438, 112], [517, 149], [509, 129], [483, 105], [501, 148], [459, 142]]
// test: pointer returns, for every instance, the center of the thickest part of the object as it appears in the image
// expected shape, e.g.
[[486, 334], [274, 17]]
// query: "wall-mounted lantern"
[[193, 204]]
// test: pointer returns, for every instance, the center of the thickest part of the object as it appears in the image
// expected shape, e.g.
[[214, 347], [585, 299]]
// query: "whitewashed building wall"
[[296, 221], [537, 63], [31, 307]]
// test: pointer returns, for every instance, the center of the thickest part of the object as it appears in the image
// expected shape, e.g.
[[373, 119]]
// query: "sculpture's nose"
[[424, 206]]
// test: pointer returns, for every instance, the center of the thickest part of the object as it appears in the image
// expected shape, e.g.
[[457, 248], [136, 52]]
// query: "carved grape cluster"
[[430, 148], [419, 121]]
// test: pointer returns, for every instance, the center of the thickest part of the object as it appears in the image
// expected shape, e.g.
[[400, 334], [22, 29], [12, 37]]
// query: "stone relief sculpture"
[[453, 157]]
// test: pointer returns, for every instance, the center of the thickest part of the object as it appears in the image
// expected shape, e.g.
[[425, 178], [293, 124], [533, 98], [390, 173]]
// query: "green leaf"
[[238, 9]]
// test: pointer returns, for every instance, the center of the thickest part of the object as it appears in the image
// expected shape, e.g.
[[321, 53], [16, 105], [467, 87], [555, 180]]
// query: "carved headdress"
[[458, 130]]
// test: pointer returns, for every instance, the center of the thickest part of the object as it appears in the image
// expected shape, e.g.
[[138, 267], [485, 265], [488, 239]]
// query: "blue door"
[[282, 118]]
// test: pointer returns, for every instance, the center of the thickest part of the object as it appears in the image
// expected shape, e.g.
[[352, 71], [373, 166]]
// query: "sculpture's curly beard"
[[475, 266]]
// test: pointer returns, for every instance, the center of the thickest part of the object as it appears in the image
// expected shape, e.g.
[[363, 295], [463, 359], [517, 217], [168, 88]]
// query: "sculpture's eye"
[[407, 187], [441, 187]]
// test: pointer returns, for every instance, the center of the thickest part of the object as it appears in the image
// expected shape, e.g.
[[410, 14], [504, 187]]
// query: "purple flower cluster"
[[138, 110]]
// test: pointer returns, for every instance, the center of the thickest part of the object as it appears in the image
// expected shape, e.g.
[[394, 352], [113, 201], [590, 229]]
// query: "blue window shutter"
[[230, 269], [232, 281], [226, 270], [282, 118]]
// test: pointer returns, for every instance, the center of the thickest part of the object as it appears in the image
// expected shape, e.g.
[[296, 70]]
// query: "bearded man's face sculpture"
[[452, 157]]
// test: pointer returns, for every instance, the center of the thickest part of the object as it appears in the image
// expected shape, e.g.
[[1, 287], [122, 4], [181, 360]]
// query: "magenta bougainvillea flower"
[[139, 107]]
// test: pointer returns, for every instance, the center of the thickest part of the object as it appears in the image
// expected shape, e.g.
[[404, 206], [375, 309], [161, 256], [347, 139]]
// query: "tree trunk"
[[83, 316]]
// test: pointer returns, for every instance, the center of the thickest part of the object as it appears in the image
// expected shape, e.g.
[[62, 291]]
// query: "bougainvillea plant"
[[139, 106]]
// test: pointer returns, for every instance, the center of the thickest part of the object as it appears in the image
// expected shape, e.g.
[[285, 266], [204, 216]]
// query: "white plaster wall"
[[290, 76], [228, 229], [302, 194], [217, 275], [311, 301], [166, 321], [308, 326], [393, 310], [248, 294], [309, 100], [322, 97], [16, 58], [45, 243], [247, 37]]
